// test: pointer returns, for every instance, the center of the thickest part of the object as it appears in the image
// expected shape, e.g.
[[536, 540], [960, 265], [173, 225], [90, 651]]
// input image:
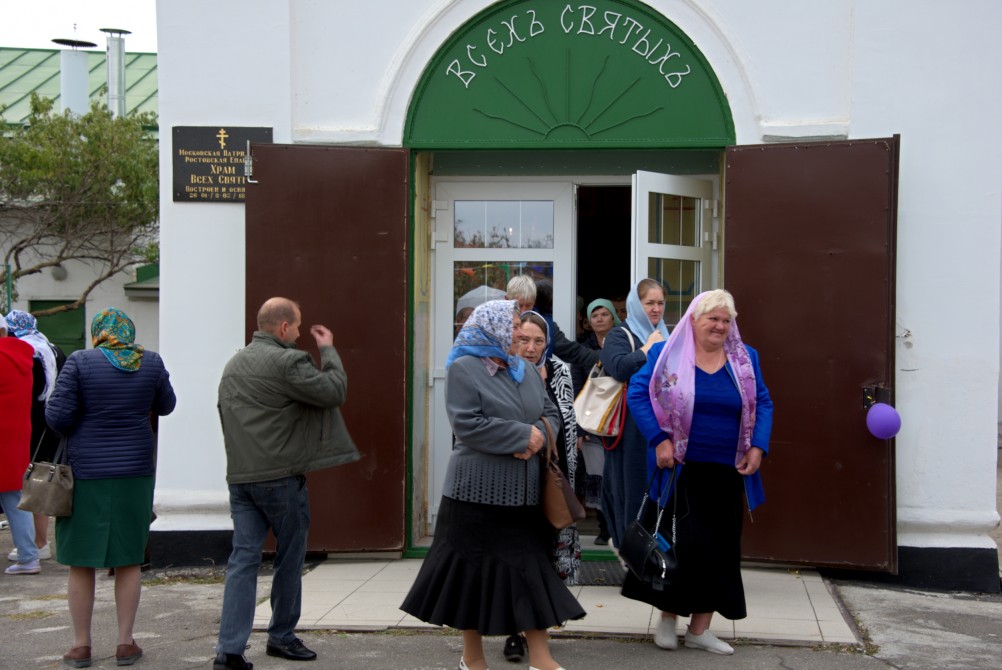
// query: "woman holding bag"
[[700, 400], [489, 569], [102, 404], [624, 352]]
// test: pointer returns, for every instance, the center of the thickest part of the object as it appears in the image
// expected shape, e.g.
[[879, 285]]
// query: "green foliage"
[[78, 187]]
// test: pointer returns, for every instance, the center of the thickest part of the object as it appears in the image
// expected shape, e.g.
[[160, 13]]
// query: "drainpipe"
[[73, 76], [116, 69]]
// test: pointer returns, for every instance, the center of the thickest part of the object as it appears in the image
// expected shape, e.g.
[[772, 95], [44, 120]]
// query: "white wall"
[[221, 63], [344, 73]]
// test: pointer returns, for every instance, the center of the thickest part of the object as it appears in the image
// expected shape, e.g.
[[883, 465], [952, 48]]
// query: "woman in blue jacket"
[[624, 352], [102, 404], [700, 400]]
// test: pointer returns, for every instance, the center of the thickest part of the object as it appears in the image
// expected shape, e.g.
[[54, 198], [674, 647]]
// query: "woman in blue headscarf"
[[624, 352], [102, 404], [489, 569]]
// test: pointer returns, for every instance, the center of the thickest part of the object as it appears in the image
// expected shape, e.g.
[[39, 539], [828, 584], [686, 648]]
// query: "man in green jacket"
[[280, 420]]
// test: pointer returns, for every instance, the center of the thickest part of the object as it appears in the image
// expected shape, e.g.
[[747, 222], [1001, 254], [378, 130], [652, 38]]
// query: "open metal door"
[[810, 259], [673, 237], [328, 227]]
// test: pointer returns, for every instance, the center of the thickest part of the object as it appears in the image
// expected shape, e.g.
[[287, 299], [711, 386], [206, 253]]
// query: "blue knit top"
[[716, 419]]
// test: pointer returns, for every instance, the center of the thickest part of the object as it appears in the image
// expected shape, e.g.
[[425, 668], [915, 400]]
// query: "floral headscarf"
[[637, 319], [488, 333], [24, 326], [673, 384], [114, 335]]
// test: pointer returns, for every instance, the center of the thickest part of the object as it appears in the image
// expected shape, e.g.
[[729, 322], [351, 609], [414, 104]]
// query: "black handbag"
[[652, 564]]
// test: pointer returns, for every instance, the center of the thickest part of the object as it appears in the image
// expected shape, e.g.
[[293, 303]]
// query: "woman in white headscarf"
[[47, 363]]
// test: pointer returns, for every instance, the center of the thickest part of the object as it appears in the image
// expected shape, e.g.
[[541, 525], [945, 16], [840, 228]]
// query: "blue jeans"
[[282, 505], [22, 526]]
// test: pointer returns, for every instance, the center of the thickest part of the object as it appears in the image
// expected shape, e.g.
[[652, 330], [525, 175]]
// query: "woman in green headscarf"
[[102, 404]]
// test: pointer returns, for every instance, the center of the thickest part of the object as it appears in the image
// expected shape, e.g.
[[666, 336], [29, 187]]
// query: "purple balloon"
[[883, 421]]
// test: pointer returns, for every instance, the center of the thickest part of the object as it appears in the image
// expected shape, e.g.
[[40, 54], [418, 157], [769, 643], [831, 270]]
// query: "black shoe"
[[231, 662], [602, 540], [293, 651], [514, 648]]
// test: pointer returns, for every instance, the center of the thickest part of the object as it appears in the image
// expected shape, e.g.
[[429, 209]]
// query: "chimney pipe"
[[116, 69], [73, 76]]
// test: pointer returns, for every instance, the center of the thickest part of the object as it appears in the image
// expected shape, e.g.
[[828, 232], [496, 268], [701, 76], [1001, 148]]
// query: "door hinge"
[[712, 238], [437, 373], [439, 231]]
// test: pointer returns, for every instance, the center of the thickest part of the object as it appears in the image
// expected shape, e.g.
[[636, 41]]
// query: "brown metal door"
[[327, 227], [810, 258]]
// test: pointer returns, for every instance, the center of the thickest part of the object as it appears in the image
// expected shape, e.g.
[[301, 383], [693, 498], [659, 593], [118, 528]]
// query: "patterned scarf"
[[24, 326], [114, 334], [673, 384], [488, 333]]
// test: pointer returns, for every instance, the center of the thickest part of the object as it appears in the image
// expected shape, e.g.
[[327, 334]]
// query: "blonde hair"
[[715, 299]]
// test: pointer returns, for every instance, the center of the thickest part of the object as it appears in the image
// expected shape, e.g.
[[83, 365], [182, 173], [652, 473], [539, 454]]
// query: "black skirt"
[[489, 569], [707, 545]]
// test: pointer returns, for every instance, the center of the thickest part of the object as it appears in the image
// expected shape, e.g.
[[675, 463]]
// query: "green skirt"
[[110, 523]]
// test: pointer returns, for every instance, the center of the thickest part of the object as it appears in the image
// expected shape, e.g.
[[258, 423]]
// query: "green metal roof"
[[27, 71]]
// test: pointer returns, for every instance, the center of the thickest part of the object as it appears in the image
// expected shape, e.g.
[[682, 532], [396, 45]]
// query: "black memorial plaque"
[[209, 161]]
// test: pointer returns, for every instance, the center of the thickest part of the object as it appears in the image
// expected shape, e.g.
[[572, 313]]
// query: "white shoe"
[[560, 668], [462, 664], [665, 636], [709, 642], [44, 553]]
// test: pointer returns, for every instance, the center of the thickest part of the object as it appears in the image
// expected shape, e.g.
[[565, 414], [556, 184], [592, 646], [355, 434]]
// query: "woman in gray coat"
[[489, 569]]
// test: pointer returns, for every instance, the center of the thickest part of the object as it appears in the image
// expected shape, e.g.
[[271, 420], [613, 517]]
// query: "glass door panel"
[[672, 233]]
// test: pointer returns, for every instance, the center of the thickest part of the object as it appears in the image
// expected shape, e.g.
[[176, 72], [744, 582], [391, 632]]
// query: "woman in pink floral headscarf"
[[700, 401]]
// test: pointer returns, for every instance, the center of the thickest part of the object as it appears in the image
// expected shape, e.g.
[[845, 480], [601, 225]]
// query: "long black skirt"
[[489, 569], [707, 545]]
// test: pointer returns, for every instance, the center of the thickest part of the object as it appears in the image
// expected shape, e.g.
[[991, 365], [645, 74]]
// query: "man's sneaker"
[[44, 553], [292, 651], [708, 641], [29, 568], [665, 636]]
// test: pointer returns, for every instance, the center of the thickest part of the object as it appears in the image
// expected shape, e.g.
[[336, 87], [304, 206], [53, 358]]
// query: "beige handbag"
[[601, 405], [48, 487]]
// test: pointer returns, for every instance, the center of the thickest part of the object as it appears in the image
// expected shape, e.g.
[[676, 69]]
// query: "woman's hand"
[[654, 338], [535, 444], [665, 453], [750, 463]]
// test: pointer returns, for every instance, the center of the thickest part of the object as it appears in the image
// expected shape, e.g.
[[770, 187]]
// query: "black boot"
[[231, 662]]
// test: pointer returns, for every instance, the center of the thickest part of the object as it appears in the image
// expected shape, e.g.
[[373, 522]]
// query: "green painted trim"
[[416, 552], [541, 74], [598, 555]]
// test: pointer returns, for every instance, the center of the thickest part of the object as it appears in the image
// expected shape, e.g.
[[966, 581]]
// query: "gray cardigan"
[[491, 418]]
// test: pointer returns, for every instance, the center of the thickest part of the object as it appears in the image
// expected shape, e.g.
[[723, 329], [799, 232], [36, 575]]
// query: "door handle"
[[875, 393]]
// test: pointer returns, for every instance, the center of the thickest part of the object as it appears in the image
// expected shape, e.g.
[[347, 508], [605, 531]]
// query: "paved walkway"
[[792, 606]]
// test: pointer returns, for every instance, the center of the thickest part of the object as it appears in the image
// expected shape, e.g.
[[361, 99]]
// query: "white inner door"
[[673, 237], [484, 234]]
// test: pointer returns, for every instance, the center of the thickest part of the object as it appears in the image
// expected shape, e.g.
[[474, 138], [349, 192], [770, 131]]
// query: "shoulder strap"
[[629, 335]]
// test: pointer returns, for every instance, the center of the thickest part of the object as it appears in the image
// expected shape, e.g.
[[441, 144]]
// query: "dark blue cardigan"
[[638, 397], [105, 412]]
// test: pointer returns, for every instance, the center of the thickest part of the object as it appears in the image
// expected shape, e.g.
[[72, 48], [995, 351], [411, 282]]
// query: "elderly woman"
[[602, 317], [48, 361], [624, 352], [567, 543], [489, 569], [700, 400], [102, 404]]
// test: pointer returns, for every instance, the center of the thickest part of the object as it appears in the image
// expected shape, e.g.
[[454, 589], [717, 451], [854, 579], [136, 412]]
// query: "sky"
[[35, 23]]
